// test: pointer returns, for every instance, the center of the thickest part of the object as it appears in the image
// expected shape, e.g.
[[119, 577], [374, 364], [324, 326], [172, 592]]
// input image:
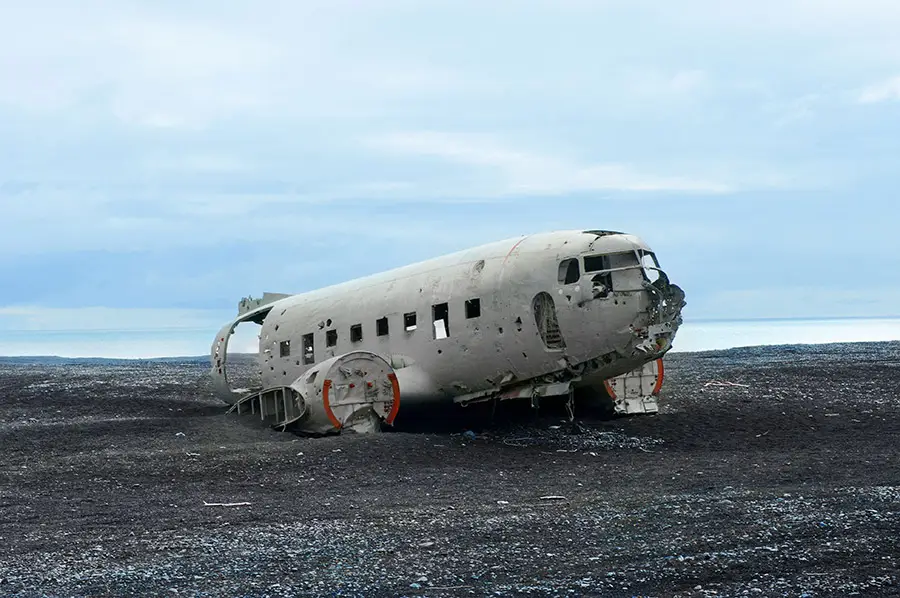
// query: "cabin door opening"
[[544, 310]]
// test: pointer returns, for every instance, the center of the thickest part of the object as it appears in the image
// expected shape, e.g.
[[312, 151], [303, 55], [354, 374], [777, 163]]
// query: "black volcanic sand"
[[788, 485]]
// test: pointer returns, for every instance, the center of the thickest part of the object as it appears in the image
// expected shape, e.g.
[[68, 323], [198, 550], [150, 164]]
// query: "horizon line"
[[256, 355]]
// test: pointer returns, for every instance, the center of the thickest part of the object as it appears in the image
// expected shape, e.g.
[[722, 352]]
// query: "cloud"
[[199, 162], [502, 170], [662, 85], [46, 219], [152, 66], [146, 68], [798, 17], [182, 154], [795, 111], [883, 91]]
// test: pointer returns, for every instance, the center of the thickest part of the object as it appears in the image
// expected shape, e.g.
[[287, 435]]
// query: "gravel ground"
[[768, 472]]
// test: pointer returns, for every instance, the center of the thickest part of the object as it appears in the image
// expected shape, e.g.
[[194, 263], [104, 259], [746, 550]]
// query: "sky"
[[160, 160]]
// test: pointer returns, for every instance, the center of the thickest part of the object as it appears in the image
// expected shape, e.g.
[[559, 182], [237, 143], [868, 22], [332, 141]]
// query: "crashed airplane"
[[544, 315]]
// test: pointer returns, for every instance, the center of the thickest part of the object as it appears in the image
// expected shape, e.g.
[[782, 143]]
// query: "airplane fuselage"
[[571, 305]]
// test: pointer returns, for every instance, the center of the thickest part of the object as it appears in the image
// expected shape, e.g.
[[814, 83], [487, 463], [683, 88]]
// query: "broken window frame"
[[653, 267], [442, 309], [473, 308], [633, 263], [308, 342], [606, 262], [604, 275], [356, 333], [284, 348], [382, 327], [331, 337], [409, 321]]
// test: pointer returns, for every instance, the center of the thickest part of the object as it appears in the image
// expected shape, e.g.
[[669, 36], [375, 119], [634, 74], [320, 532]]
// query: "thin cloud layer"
[[531, 173], [178, 156], [883, 91]]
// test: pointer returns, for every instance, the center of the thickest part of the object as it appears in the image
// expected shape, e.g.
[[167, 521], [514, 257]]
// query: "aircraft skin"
[[497, 336]]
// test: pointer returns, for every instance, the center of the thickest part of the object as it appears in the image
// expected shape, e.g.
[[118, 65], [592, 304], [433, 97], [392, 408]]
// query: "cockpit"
[[619, 271]]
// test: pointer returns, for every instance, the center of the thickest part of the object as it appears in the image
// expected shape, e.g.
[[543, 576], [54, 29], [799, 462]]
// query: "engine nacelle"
[[354, 391]]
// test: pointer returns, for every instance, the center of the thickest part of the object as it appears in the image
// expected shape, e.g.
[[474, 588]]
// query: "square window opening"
[[308, 350], [473, 308], [595, 263], [330, 338], [440, 315], [409, 321], [356, 333], [381, 326], [285, 348]]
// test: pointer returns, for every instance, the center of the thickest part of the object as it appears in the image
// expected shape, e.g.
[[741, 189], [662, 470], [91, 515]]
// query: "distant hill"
[[56, 360]]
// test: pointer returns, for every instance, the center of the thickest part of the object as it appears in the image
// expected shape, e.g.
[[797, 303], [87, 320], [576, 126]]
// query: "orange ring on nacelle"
[[395, 386], [326, 386], [659, 377], [609, 389]]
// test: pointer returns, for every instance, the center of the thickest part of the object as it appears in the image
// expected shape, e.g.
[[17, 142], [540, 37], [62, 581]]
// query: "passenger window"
[[473, 308], [356, 333], [330, 338], [308, 352], [569, 271], [441, 317], [409, 321], [381, 326], [285, 348]]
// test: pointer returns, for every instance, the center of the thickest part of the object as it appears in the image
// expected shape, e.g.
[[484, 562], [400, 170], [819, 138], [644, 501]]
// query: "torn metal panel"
[[219, 354], [248, 304], [638, 390], [279, 407]]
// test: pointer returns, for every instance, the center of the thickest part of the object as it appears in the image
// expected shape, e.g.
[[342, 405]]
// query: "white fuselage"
[[477, 322]]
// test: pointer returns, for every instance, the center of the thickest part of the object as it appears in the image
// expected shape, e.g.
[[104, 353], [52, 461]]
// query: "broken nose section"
[[661, 319]]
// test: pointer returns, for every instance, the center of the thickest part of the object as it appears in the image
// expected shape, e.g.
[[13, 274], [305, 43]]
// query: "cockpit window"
[[627, 259], [569, 272], [615, 272], [595, 263], [651, 266]]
